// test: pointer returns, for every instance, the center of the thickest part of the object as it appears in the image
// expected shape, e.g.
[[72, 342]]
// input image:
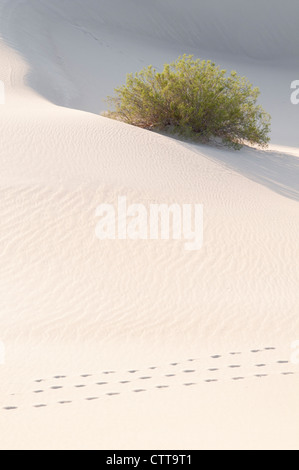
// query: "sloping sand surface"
[[142, 344]]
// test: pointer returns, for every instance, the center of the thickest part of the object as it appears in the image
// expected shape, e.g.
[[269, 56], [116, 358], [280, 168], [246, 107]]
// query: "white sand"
[[71, 305]]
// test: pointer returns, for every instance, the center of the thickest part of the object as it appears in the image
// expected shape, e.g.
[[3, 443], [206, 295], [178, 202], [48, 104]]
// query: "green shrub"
[[196, 99]]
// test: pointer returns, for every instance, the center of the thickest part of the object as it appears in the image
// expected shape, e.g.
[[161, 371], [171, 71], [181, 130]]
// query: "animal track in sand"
[[159, 387], [173, 364], [161, 372]]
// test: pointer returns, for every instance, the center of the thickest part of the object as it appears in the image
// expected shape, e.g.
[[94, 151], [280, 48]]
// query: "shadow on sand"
[[276, 170]]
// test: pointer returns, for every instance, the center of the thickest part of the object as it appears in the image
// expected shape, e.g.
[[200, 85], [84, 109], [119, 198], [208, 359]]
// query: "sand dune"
[[141, 344], [76, 53]]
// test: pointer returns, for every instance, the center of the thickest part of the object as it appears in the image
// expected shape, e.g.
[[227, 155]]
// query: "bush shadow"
[[275, 170]]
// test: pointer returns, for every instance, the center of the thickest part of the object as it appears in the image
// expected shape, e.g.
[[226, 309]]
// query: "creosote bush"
[[194, 99]]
